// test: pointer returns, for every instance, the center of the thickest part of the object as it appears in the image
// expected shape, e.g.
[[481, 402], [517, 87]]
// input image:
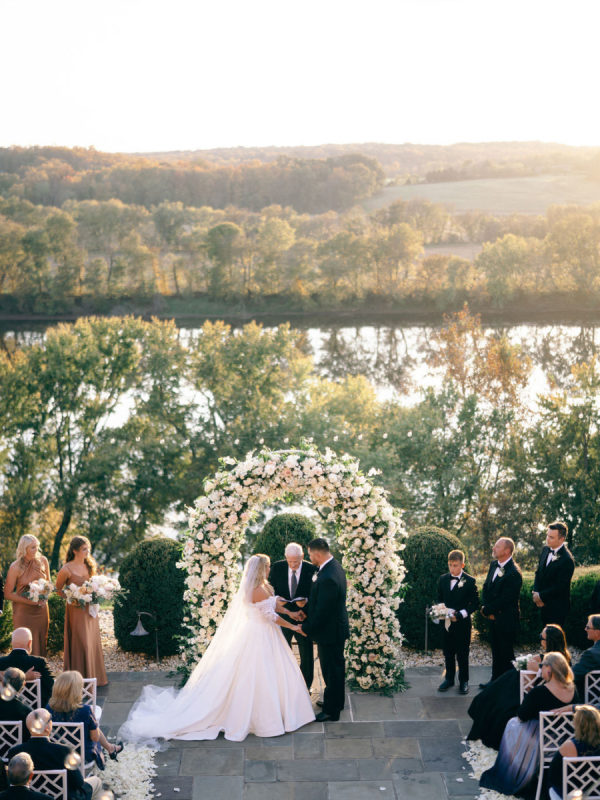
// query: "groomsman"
[[292, 577], [552, 584], [500, 604], [458, 591], [327, 624]]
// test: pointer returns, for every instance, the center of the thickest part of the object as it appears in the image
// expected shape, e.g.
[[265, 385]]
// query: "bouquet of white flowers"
[[39, 590], [98, 587], [441, 613], [522, 661]]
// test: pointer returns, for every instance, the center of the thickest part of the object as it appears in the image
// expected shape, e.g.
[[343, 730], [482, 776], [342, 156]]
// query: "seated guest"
[[590, 659], [15, 710], [20, 769], [33, 666], [517, 761], [66, 705], [585, 743], [499, 701], [51, 755]]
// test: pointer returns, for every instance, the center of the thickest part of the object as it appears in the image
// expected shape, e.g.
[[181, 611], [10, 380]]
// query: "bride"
[[247, 681]]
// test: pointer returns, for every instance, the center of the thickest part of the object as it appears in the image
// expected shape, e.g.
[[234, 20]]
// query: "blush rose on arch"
[[370, 537]]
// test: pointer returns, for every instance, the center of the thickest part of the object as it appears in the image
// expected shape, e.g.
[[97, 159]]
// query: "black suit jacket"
[[595, 600], [278, 578], [501, 597], [13, 711], [461, 597], [553, 582], [22, 660], [51, 755], [327, 621], [23, 793]]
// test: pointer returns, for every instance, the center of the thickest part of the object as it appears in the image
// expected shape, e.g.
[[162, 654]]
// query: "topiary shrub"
[[280, 531], [582, 587], [152, 583], [426, 559], [56, 630]]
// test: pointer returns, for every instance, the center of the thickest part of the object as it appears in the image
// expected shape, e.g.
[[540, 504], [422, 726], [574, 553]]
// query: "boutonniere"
[[500, 572], [461, 583], [315, 576], [554, 557]]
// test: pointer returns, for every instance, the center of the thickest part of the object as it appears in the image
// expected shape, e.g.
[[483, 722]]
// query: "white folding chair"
[[526, 681], [580, 772], [11, 733], [90, 687], [31, 694], [592, 688], [73, 735], [555, 729], [52, 782]]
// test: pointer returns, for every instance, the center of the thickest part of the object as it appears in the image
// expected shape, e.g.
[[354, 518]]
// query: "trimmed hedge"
[[582, 586], [280, 531], [56, 631], [151, 582], [426, 560], [6, 626]]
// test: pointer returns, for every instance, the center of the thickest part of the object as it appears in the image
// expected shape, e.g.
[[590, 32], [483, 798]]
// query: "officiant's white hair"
[[294, 549]]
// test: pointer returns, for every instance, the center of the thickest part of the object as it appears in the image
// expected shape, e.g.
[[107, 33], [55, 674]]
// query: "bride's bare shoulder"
[[259, 594]]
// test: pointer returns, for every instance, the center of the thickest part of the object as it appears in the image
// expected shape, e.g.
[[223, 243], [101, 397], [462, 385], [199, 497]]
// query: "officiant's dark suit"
[[327, 624], [500, 599], [279, 578], [457, 639], [21, 659], [553, 584]]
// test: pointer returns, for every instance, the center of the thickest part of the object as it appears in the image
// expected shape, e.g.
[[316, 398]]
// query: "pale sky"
[[143, 75]]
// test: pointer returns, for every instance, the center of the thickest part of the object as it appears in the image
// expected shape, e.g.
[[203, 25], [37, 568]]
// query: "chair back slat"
[[71, 734], [555, 729], [90, 686], [582, 772], [592, 688], [31, 694], [526, 680], [52, 782], [11, 733]]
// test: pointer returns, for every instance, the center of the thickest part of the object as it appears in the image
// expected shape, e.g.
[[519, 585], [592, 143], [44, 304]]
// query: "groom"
[[327, 625]]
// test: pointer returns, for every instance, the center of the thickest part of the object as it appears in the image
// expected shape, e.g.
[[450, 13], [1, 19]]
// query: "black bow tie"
[[553, 551]]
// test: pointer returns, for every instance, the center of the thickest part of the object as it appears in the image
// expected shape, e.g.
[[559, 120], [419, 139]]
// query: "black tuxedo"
[[51, 755], [22, 660], [278, 578], [457, 639], [553, 583], [500, 598], [23, 793], [327, 624]]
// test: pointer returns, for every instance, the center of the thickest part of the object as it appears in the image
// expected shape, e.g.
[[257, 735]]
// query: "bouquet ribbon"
[[93, 608]]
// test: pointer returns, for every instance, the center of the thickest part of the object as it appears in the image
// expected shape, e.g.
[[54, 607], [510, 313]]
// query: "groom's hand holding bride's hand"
[[298, 629]]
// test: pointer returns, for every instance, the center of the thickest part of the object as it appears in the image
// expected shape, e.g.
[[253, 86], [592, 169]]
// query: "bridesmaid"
[[30, 565], [83, 647]]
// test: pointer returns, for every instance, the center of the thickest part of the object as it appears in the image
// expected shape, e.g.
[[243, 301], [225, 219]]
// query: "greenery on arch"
[[369, 532]]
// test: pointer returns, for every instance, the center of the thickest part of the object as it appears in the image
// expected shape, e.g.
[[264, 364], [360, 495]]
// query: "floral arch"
[[369, 533]]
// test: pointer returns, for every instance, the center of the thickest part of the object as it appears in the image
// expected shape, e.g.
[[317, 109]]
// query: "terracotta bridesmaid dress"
[[83, 646], [36, 618]]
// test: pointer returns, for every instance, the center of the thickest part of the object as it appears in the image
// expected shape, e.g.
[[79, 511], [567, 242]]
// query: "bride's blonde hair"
[[260, 571]]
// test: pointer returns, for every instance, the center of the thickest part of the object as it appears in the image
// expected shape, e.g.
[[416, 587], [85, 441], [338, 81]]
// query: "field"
[[497, 195]]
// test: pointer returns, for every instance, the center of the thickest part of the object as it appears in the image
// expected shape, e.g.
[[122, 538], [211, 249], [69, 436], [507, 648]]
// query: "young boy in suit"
[[458, 591]]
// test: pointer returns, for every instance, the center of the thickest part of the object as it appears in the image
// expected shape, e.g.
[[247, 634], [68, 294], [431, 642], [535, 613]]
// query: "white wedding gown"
[[248, 681]]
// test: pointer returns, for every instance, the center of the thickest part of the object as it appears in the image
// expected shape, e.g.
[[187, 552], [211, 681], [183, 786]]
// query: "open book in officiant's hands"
[[300, 601]]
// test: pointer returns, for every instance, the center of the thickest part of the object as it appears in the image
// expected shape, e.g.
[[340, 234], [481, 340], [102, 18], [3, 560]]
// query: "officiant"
[[291, 578]]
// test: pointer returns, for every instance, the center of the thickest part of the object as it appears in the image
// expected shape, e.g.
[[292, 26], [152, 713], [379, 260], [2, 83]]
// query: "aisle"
[[405, 746]]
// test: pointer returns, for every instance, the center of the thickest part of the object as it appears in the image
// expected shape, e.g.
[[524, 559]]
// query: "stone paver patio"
[[395, 748]]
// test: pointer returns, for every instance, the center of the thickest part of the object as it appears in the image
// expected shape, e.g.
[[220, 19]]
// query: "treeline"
[[53, 176], [108, 427], [413, 162], [90, 254]]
